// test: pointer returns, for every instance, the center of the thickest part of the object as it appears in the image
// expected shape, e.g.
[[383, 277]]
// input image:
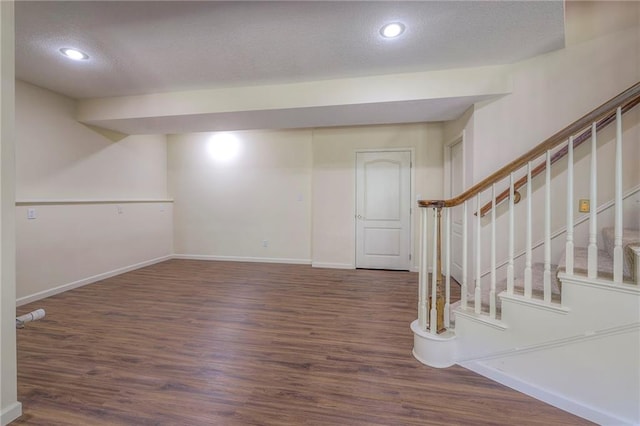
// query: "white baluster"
[[568, 248], [478, 290], [510, 266], [433, 320], [592, 248], [547, 231], [617, 241], [423, 296], [529, 256], [465, 250], [492, 291], [447, 267]]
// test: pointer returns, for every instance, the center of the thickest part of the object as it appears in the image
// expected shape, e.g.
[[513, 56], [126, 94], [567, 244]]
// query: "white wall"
[[9, 406], [226, 210], [74, 179], [334, 159]]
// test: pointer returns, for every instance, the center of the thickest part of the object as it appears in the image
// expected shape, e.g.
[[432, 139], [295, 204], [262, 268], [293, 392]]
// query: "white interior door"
[[456, 186], [383, 202]]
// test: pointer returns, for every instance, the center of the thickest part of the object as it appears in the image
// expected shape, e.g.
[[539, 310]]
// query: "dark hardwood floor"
[[221, 343]]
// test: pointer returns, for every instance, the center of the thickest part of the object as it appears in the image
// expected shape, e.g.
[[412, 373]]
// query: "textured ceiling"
[[148, 47]]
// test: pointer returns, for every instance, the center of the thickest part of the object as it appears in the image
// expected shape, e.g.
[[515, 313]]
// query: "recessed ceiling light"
[[392, 30], [74, 54]]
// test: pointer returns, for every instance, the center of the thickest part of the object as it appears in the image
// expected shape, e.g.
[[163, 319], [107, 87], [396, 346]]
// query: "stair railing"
[[577, 141], [434, 304]]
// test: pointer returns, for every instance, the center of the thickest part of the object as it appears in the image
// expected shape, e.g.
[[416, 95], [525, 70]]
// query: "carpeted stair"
[[631, 237]]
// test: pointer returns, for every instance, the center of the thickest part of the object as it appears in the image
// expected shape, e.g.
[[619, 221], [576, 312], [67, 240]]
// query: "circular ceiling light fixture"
[[74, 54], [392, 30]]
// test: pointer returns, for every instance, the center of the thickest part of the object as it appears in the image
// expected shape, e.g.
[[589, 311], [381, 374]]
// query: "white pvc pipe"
[[31, 316]]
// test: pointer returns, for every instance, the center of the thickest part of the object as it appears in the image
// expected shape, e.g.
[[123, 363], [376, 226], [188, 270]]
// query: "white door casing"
[[383, 210], [454, 181]]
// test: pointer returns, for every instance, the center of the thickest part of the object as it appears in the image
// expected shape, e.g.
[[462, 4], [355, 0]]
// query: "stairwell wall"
[[549, 92]]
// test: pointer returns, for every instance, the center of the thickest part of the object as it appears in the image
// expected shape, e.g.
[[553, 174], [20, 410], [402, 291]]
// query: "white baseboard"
[[10, 413], [243, 259], [544, 395], [69, 286], [349, 266], [333, 265]]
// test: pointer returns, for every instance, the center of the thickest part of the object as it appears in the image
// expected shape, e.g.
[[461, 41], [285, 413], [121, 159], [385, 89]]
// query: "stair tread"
[[581, 260], [605, 269], [630, 237], [537, 282]]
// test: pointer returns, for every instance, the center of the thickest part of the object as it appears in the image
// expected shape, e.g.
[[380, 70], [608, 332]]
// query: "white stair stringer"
[[575, 356]]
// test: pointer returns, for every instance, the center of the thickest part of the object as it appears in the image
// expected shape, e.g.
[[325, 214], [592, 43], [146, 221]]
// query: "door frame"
[[412, 208], [448, 147], [460, 138]]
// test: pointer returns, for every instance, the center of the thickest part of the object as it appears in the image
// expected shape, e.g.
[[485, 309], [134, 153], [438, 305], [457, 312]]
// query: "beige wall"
[[551, 91], [586, 20], [59, 158], [70, 245], [334, 159], [226, 210], [9, 406], [61, 162]]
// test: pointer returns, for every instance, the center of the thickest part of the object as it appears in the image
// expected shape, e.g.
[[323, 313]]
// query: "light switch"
[[31, 213], [583, 206]]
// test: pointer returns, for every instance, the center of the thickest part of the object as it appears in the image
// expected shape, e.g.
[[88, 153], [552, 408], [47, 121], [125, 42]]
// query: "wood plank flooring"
[[225, 343]]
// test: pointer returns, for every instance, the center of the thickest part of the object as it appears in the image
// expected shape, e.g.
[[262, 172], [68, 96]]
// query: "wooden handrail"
[[627, 97], [577, 141]]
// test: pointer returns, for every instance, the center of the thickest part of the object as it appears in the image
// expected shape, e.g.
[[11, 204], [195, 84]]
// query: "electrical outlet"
[[119, 209], [265, 243], [31, 213], [584, 206]]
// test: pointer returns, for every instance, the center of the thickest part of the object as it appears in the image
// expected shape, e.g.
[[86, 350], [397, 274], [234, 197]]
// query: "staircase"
[[550, 301], [604, 270]]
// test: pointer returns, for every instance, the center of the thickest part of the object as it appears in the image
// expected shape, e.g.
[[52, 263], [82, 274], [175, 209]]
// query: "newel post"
[[439, 293]]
